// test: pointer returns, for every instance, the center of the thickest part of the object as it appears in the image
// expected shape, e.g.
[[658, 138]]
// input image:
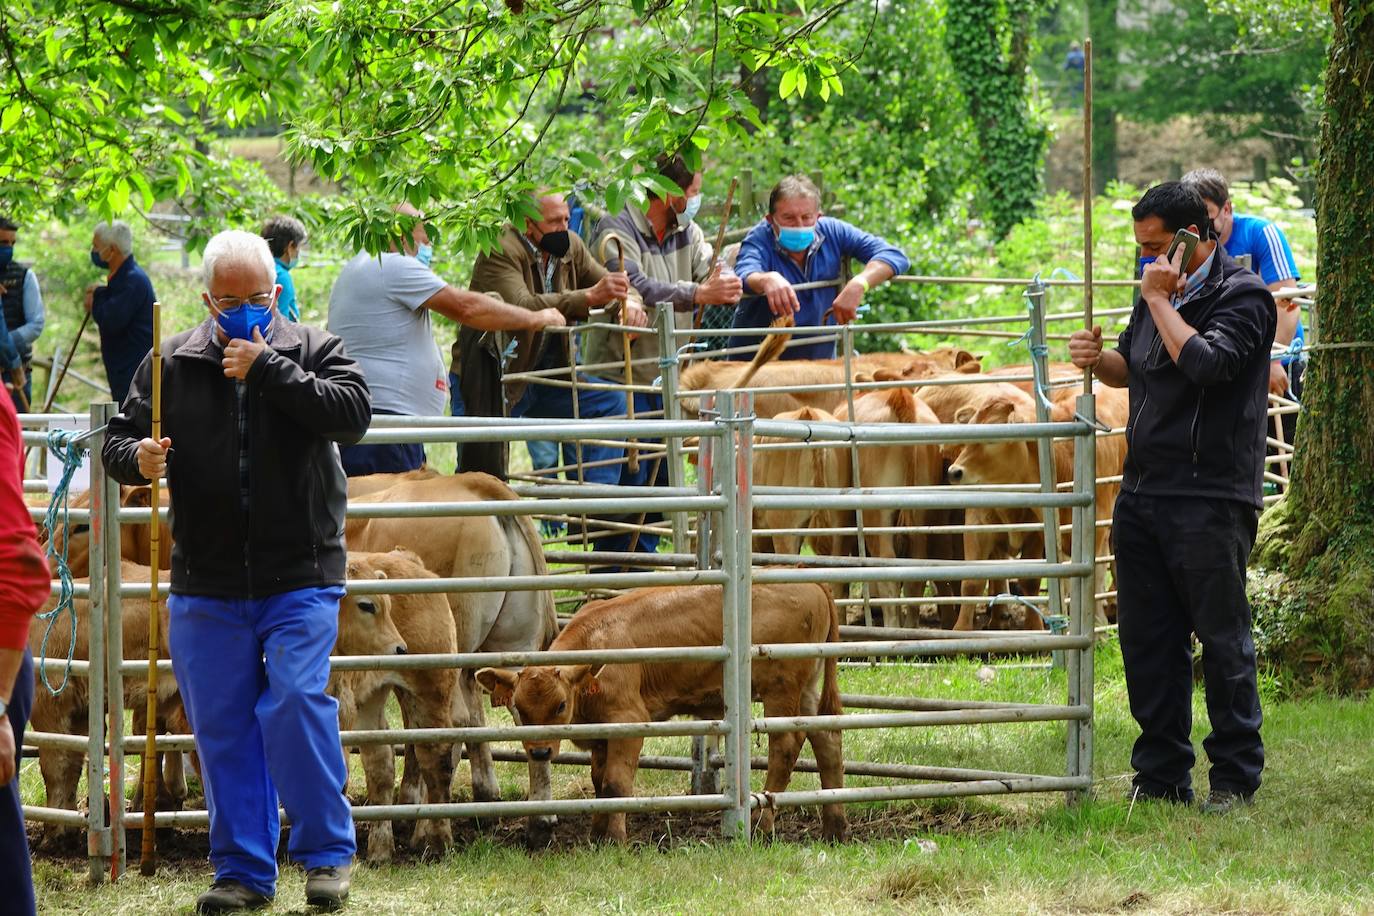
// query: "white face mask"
[[424, 253], [692, 209]]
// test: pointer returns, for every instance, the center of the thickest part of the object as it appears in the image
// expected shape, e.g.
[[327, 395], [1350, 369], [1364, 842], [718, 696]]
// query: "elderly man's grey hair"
[[793, 186], [117, 234], [234, 246]]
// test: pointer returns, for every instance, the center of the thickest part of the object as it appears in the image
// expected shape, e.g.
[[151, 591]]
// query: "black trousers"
[[16, 872], [1181, 570]]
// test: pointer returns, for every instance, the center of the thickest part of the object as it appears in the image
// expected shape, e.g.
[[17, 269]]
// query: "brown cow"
[[654, 691], [67, 712], [893, 465], [375, 483], [380, 625], [718, 375], [474, 547], [135, 541], [1009, 462], [816, 466]]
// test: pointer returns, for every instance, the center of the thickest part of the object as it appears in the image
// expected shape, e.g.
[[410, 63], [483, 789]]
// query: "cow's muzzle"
[[955, 474], [401, 650], [541, 754]]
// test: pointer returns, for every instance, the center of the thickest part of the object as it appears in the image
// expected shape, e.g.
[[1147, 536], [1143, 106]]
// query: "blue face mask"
[[424, 253], [1140, 265], [796, 239], [6, 255], [693, 208], [291, 263], [238, 323], [98, 261]]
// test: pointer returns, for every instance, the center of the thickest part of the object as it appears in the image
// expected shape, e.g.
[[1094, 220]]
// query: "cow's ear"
[[972, 367], [380, 574], [887, 375], [964, 357], [498, 682], [141, 497], [582, 677], [965, 414]]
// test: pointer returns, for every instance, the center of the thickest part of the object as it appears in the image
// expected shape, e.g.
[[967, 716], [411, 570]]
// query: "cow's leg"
[[828, 748], [61, 770], [600, 822], [975, 548], [783, 748], [467, 710], [435, 764], [379, 772], [539, 827], [618, 780]]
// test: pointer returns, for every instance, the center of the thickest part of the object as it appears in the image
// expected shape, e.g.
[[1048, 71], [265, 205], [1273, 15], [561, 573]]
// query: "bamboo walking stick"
[[148, 863], [632, 447]]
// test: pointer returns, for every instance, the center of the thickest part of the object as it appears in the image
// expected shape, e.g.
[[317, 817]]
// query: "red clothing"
[[24, 576]]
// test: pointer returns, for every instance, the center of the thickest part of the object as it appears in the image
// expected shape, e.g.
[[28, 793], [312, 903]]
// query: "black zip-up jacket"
[[1197, 427], [303, 395]]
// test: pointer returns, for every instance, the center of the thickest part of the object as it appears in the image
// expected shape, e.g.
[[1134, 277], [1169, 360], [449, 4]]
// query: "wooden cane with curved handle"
[[632, 447]]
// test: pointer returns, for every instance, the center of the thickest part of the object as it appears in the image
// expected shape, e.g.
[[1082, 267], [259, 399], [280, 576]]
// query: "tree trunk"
[[1322, 535], [1106, 49]]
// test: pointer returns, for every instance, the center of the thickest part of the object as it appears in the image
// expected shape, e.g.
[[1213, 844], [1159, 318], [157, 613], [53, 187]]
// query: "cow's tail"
[[526, 534], [830, 704]]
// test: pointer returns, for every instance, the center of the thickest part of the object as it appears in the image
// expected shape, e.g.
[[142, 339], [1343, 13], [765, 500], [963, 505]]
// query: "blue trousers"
[[548, 402], [359, 460], [252, 674], [16, 874], [651, 473]]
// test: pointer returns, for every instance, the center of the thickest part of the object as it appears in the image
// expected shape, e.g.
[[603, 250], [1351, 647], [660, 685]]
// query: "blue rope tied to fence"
[[67, 446]]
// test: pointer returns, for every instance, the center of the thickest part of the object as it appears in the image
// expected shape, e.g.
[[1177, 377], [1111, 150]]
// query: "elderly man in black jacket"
[[253, 406], [1195, 356]]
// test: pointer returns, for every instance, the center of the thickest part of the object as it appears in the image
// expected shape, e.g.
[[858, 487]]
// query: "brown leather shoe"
[[326, 888], [227, 896]]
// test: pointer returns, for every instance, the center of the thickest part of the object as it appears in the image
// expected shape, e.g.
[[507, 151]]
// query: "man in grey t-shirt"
[[379, 307]]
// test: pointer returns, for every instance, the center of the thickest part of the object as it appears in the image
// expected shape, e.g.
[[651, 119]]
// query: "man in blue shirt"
[[285, 235], [795, 244], [23, 309], [122, 308], [1270, 257]]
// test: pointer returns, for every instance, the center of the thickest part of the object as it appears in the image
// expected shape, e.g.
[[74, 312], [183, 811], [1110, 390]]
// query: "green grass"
[[1304, 847]]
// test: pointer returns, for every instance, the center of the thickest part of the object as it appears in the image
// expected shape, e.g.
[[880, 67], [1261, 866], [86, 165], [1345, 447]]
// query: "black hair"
[[1210, 184], [674, 168], [280, 232], [1176, 204], [8, 224]]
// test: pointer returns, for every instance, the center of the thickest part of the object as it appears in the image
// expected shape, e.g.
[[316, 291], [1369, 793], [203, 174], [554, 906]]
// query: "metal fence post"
[[705, 780], [114, 658], [1035, 302], [861, 542], [1084, 618], [736, 526], [98, 834]]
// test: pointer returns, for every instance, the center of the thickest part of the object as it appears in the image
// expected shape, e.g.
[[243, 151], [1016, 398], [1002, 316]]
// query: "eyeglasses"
[[229, 303]]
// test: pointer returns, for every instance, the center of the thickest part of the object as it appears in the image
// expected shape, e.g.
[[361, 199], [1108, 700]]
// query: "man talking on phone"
[[1195, 356]]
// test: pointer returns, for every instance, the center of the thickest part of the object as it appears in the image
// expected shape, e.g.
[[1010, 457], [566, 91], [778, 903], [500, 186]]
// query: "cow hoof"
[[539, 833], [381, 846], [834, 829]]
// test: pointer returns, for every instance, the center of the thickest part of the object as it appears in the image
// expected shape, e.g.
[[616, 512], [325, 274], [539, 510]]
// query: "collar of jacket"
[[204, 342], [1215, 276]]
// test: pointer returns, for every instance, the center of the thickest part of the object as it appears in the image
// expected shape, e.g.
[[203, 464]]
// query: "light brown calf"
[[817, 466], [380, 625], [1018, 462], [654, 691]]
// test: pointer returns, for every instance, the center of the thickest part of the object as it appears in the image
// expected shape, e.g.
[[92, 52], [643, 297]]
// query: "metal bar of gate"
[[99, 837], [1085, 476], [114, 647], [737, 629], [1035, 301]]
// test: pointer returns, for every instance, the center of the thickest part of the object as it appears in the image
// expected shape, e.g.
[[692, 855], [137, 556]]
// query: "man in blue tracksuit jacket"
[[795, 244], [253, 406]]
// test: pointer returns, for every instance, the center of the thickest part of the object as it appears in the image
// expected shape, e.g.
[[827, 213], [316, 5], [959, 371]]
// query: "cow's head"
[[365, 623], [541, 696], [1001, 461]]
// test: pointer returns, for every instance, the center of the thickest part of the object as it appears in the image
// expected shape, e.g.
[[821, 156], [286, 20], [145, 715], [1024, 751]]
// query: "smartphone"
[[1189, 241]]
